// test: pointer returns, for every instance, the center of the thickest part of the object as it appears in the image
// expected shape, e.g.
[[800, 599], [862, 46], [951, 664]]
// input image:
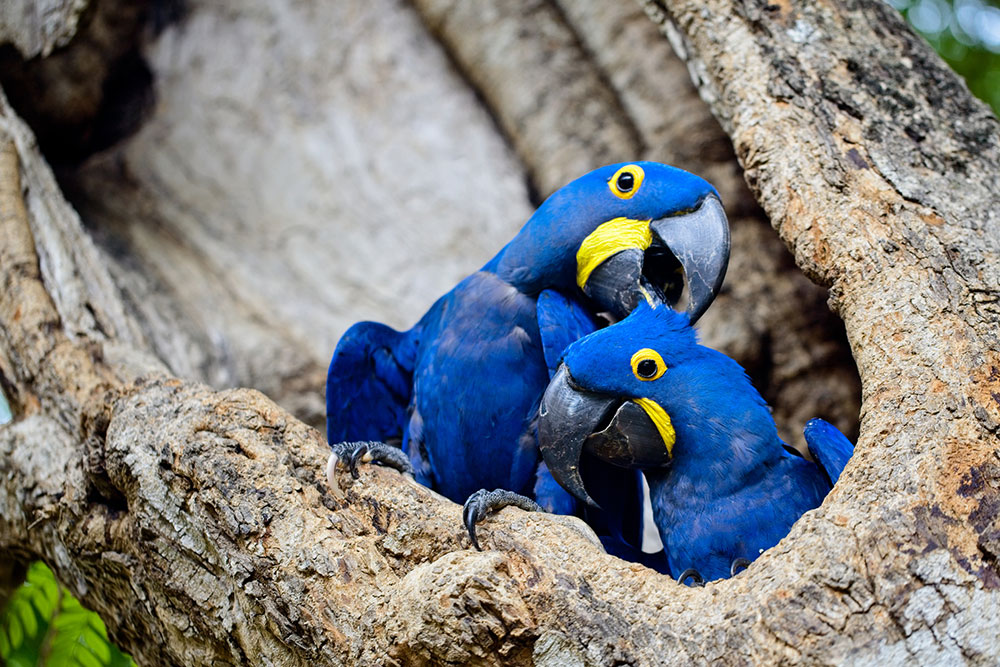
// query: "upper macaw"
[[460, 390], [643, 394]]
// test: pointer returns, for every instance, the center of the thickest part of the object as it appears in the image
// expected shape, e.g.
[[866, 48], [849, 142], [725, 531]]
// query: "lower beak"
[[615, 430], [614, 284]]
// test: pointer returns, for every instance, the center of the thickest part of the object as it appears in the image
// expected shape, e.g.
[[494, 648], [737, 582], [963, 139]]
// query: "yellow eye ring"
[[648, 365], [626, 181]]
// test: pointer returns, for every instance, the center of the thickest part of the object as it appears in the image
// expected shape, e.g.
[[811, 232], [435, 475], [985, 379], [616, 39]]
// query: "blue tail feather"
[[829, 447]]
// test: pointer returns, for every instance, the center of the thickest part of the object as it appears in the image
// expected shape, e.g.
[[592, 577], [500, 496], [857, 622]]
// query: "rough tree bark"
[[196, 523], [244, 254], [37, 27]]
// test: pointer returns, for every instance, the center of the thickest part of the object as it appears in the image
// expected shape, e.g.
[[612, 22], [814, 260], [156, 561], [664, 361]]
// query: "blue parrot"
[[459, 392], [643, 394]]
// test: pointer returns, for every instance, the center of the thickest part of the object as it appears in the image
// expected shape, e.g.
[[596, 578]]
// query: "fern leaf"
[[81, 638], [44, 591], [87, 659], [97, 641], [21, 629], [43, 624], [68, 650], [14, 630], [5, 647], [29, 619], [19, 661]]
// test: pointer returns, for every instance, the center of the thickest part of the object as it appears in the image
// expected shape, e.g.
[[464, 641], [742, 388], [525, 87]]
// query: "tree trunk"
[[38, 26], [196, 521]]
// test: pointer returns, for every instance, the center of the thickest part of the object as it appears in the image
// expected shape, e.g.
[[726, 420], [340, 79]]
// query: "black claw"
[[738, 564], [356, 455], [470, 515], [381, 453], [693, 575], [482, 503]]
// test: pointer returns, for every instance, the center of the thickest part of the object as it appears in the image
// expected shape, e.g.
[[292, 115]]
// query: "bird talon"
[[471, 515], [738, 565], [350, 454], [482, 503], [357, 455], [693, 575]]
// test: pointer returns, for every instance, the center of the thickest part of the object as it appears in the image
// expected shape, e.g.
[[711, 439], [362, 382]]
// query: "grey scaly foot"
[[482, 503], [352, 453]]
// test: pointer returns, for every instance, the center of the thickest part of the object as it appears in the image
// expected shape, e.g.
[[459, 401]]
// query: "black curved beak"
[[694, 245], [616, 430], [700, 242]]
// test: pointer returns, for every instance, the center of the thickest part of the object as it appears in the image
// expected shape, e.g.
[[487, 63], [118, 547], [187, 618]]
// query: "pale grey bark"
[[36, 27], [245, 252], [307, 165], [197, 523]]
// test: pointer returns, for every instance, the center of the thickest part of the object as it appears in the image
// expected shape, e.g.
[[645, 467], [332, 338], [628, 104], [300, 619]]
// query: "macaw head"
[[622, 229], [642, 393]]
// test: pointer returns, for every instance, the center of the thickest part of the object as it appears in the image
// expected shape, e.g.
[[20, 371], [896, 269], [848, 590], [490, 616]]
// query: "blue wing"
[[476, 387], [561, 321], [829, 447], [369, 384]]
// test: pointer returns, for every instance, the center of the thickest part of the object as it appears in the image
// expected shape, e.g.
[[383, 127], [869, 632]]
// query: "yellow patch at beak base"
[[609, 239]]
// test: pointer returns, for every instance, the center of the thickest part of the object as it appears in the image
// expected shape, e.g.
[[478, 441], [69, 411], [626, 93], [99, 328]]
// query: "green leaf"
[[88, 660], [41, 585], [119, 659], [69, 649], [43, 613], [22, 628], [98, 644], [15, 631], [84, 657], [29, 620]]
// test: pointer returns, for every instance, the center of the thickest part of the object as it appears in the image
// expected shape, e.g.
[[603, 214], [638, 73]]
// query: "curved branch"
[[880, 171], [196, 521]]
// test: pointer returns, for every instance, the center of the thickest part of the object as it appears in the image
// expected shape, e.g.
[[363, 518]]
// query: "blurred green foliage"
[[967, 34], [43, 624]]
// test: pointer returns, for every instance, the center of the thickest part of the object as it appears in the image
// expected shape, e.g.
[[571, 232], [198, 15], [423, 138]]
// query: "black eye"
[[646, 368], [625, 182]]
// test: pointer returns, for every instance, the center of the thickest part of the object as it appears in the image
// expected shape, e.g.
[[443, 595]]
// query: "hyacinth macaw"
[[460, 390], [643, 394]]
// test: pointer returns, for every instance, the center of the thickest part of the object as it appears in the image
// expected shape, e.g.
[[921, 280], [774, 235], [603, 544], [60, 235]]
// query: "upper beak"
[[699, 240], [616, 430]]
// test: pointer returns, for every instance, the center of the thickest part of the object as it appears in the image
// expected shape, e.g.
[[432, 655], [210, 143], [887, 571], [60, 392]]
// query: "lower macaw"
[[724, 487], [460, 390]]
